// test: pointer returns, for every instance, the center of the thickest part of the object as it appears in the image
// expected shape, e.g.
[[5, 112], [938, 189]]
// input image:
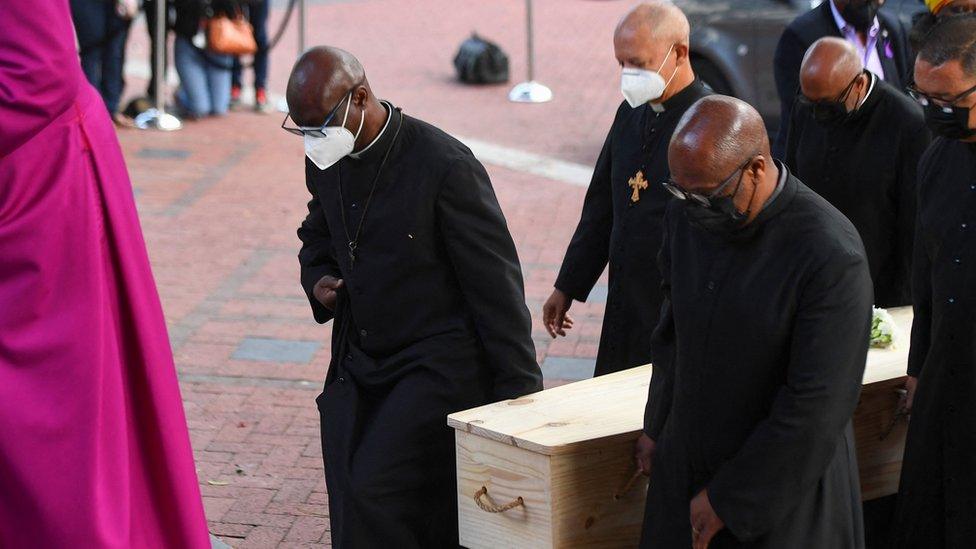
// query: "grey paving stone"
[[276, 350], [164, 154], [558, 367]]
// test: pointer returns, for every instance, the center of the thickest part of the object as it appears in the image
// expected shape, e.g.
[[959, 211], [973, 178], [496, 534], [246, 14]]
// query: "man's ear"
[[681, 53], [359, 96]]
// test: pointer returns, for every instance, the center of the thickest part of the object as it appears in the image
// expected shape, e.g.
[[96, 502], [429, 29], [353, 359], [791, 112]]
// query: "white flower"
[[883, 329]]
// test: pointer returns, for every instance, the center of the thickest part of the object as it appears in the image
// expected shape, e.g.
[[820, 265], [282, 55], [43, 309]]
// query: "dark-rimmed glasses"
[[706, 200], [925, 99], [804, 100], [312, 131]]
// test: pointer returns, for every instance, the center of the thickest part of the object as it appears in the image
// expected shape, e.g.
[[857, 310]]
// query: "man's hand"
[[325, 291], [644, 453], [909, 397], [554, 314], [704, 522]]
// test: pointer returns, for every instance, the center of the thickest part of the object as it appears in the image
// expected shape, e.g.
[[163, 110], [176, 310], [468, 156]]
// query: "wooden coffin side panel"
[[597, 502], [879, 456], [507, 472]]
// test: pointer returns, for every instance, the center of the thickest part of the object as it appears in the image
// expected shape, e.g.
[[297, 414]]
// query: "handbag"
[[231, 36]]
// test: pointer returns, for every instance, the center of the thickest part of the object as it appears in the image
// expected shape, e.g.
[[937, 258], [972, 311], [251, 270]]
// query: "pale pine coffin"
[[555, 468]]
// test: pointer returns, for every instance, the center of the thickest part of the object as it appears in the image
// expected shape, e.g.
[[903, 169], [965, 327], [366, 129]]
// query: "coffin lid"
[[595, 412]]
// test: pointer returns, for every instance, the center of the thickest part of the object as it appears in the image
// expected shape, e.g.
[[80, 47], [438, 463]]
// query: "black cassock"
[[432, 320], [627, 234], [937, 498], [894, 52], [866, 168], [758, 364]]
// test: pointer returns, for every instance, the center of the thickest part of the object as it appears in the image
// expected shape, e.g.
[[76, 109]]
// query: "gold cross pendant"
[[638, 183]]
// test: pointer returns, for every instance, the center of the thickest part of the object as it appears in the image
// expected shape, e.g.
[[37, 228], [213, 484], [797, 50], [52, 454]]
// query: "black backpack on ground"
[[479, 61]]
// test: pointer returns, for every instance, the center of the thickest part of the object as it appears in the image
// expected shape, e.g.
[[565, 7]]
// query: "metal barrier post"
[[530, 91], [157, 118]]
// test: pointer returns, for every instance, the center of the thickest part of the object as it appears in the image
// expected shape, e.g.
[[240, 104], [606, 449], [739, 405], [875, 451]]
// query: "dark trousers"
[[258, 16], [149, 6], [101, 39]]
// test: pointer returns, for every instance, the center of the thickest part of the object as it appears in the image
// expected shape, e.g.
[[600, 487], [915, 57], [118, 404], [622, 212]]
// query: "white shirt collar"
[[389, 116]]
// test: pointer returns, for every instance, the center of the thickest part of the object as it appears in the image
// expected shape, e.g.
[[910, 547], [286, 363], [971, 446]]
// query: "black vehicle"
[[733, 42]]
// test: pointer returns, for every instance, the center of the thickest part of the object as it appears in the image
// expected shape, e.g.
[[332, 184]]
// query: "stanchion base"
[[530, 92], [154, 119]]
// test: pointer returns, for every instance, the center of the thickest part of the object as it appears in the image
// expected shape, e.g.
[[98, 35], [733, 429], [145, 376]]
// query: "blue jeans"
[[101, 37], [257, 12], [204, 79]]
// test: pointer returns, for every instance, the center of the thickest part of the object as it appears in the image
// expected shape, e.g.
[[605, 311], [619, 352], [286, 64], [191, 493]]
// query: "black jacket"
[[758, 363], [816, 24], [866, 168], [627, 234], [435, 256]]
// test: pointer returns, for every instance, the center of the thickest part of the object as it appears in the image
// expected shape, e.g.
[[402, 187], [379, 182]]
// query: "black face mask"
[[721, 218], [953, 124], [830, 113], [860, 16]]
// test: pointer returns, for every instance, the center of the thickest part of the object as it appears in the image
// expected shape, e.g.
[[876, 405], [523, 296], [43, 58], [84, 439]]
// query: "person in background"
[[205, 76], [936, 501], [880, 39], [856, 141], [937, 10], [621, 219], [94, 448], [760, 352], [257, 14], [102, 28]]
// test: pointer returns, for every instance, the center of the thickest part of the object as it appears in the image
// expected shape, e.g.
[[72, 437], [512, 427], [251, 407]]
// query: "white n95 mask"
[[337, 142], [640, 86]]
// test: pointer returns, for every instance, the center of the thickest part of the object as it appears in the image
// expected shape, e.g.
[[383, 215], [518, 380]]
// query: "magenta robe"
[[94, 450]]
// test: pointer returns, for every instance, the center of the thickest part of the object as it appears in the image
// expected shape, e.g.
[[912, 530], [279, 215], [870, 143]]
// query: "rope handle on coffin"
[[489, 507], [900, 413], [628, 485]]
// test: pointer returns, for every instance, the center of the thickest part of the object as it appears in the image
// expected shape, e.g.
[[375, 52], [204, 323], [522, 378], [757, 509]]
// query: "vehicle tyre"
[[711, 75]]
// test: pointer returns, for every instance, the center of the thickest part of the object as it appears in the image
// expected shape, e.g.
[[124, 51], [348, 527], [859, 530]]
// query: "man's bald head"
[[713, 138], [321, 78], [653, 36], [659, 20], [829, 66]]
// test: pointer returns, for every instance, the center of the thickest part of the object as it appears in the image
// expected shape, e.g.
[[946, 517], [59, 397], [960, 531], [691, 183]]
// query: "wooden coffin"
[[555, 469], [878, 429]]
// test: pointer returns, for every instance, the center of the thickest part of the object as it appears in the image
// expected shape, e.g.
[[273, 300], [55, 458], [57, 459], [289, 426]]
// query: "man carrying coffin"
[[405, 246], [622, 211], [937, 497], [760, 351], [856, 141]]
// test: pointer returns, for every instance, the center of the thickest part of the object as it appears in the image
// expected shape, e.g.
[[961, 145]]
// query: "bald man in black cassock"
[[406, 247], [760, 350], [856, 141], [622, 211]]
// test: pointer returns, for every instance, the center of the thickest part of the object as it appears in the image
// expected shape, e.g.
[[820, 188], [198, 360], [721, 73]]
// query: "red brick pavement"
[[221, 199]]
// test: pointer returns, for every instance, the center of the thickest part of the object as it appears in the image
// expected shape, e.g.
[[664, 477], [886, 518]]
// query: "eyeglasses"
[[925, 99], [804, 100], [706, 200], [313, 131]]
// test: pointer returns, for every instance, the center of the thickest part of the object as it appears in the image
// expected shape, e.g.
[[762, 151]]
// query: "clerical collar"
[[780, 183], [681, 100], [870, 98], [389, 116]]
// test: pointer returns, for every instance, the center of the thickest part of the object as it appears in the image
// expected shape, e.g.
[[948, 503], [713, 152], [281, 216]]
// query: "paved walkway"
[[221, 199]]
